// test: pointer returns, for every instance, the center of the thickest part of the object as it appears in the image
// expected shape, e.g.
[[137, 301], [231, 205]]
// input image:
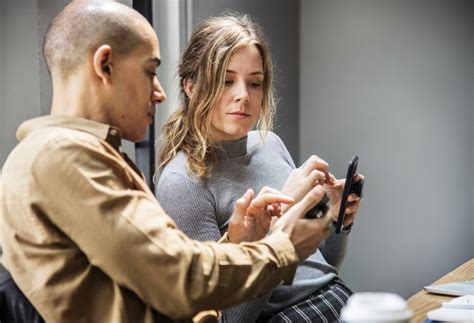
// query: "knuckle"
[[313, 163], [313, 196]]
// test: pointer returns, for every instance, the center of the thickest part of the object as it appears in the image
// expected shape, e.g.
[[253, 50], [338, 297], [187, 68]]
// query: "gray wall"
[[472, 138], [47, 10], [280, 22], [392, 82], [25, 86], [19, 75]]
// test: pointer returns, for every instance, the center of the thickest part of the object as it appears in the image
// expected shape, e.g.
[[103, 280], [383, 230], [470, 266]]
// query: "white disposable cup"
[[376, 307]]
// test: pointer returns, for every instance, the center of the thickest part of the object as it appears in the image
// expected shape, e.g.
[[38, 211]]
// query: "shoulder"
[[58, 145], [175, 176], [270, 144], [179, 192], [177, 166], [64, 146], [267, 139]]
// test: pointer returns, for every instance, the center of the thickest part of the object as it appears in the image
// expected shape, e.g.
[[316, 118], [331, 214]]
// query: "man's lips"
[[151, 116]]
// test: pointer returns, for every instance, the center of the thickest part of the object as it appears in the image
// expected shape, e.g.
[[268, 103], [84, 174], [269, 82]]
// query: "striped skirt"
[[323, 306]]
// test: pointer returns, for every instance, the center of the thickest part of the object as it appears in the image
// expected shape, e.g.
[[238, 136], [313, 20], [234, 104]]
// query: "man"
[[83, 237]]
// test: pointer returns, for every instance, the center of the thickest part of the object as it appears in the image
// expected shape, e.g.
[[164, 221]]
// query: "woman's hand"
[[252, 217], [334, 191], [314, 171]]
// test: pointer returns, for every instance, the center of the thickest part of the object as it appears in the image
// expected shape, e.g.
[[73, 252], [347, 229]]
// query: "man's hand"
[[305, 234], [334, 191], [252, 217], [302, 179]]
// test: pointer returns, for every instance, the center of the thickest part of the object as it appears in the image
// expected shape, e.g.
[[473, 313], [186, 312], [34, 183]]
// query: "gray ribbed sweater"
[[202, 209]]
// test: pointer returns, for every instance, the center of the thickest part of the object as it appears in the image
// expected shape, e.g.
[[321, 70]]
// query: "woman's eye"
[[255, 84], [151, 75], [228, 82]]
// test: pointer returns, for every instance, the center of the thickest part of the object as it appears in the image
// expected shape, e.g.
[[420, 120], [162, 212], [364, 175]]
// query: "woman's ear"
[[102, 63], [188, 86]]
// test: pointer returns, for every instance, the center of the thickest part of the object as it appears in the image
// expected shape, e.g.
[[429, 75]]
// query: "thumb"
[[241, 206]]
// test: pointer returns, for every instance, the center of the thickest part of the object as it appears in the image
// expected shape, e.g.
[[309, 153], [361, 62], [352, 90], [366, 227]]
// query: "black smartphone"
[[319, 210], [349, 187]]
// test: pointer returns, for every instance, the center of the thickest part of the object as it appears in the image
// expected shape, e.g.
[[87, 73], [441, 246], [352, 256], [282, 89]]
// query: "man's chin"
[[137, 137]]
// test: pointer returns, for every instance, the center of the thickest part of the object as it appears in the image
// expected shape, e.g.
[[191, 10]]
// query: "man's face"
[[136, 90]]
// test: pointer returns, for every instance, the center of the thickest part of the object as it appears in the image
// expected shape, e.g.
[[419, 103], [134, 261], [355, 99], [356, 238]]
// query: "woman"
[[209, 154]]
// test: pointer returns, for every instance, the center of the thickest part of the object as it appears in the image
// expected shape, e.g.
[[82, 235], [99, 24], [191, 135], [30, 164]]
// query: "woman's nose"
[[241, 93]]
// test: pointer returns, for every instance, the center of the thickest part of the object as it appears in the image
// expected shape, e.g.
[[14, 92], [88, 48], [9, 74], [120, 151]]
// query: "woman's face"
[[238, 109]]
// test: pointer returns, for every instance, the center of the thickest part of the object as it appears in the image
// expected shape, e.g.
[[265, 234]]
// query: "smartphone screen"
[[351, 171]]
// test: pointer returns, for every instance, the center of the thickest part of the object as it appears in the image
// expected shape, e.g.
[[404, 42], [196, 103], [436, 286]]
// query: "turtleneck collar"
[[232, 149]]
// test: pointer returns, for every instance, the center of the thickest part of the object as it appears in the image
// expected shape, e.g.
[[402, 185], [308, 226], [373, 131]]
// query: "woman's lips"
[[239, 115]]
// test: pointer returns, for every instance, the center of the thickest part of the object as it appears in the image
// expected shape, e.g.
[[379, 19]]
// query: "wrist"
[[224, 238], [347, 228]]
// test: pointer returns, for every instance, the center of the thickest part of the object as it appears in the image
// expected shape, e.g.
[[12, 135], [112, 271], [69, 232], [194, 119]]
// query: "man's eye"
[[151, 74]]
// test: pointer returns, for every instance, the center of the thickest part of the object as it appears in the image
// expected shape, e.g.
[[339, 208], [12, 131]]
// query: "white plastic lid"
[[378, 307]]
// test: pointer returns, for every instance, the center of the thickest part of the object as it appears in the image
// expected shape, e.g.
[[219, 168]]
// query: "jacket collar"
[[106, 132]]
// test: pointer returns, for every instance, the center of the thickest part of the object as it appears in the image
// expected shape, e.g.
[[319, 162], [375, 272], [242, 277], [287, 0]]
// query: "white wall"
[[392, 81], [168, 25]]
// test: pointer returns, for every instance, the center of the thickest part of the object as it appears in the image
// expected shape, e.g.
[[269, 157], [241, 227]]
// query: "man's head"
[[109, 52]]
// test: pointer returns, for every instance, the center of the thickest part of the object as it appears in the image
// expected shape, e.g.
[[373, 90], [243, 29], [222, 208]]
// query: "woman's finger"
[[241, 206]]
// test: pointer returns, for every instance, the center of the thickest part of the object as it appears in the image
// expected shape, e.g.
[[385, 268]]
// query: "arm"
[[126, 234], [334, 249], [285, 154], [191, 205]]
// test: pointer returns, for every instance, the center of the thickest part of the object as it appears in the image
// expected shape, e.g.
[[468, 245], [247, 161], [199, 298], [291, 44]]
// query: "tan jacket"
[[86, 241]]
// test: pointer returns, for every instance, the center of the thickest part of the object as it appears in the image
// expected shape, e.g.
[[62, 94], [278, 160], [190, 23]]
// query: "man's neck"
[[76, 97]]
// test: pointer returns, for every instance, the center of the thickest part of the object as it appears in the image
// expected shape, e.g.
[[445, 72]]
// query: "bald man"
[[83, 236]]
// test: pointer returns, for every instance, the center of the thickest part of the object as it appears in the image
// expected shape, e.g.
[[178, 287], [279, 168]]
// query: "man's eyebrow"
[[253, 73]]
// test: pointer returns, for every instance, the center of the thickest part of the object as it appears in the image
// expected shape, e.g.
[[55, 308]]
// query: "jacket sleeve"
[[125, 233]]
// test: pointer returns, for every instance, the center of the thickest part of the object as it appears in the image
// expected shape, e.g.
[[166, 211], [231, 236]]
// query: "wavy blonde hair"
[[204, 63]]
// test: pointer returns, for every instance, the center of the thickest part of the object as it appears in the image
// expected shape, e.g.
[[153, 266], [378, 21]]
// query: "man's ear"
[[102, 62], [188, 86]]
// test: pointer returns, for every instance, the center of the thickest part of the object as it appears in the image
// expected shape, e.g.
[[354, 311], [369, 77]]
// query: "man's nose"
[[158, 95], [241, 93]]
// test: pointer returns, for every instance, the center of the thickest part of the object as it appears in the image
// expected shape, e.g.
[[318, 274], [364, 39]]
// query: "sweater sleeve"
[[282, 148], [334, 249], [189, 204]]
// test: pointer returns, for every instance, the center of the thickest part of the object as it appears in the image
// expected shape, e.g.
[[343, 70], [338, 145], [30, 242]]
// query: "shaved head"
[[83, 26]]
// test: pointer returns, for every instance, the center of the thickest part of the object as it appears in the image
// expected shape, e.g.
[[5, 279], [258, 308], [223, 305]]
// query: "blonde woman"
[[209, 157]]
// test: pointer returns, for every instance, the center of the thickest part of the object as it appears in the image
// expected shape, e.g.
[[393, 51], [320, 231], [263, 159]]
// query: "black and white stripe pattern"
[[323, 306]]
